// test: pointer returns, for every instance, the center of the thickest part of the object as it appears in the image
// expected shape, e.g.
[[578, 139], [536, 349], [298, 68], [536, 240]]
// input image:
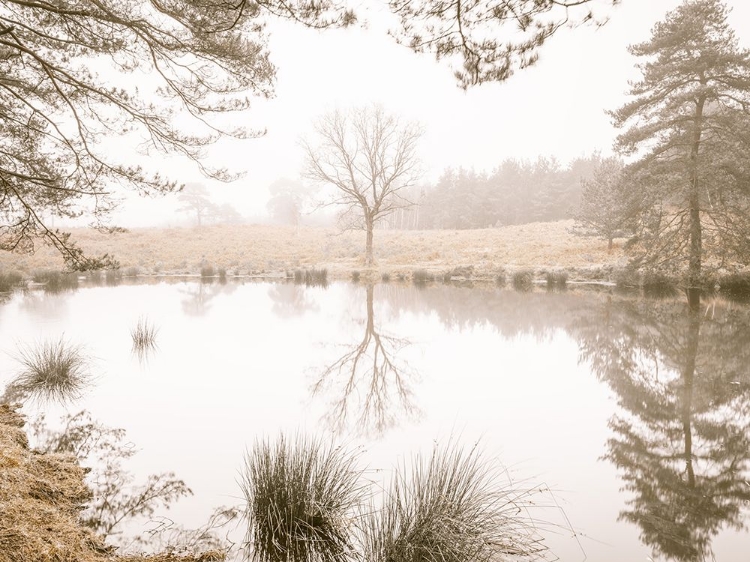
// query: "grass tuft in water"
[[301, 494], [143, 336], [51, 371], [451, 507]]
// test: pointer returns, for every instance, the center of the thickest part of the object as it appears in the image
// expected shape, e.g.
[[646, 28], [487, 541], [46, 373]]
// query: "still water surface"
[[635, 413]]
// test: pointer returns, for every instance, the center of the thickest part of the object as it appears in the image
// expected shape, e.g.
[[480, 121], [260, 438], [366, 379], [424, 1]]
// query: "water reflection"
[[682, 441], [198, 296], [372, 385], [290, 300]]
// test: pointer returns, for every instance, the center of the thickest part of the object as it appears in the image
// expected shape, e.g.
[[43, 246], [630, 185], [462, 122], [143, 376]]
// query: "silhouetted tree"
[[370, 158], [689, 112]]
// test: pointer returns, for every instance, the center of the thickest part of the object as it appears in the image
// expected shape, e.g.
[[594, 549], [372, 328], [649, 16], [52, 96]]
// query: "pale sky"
[[556, 108]]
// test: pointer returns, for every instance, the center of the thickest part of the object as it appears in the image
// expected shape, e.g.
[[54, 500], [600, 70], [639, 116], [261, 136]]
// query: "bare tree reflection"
[[682, 440], [371, 385]]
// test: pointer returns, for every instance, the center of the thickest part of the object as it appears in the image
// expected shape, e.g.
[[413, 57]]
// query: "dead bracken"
[[41, 497]]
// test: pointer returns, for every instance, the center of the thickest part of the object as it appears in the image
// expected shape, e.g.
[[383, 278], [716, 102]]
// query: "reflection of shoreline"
[[682, 440], [371, 384]]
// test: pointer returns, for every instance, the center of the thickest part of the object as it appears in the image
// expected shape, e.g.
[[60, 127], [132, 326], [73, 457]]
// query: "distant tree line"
[[515, 192]]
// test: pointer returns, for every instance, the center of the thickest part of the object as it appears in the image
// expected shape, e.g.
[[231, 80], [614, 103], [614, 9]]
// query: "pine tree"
[[688, 121]]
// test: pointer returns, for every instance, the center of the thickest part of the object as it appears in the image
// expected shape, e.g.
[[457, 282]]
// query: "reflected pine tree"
[[681, 374], [371, 385]]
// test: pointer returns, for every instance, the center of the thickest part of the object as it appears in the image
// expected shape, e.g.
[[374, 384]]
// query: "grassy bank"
[[41, 497], [274, 250]]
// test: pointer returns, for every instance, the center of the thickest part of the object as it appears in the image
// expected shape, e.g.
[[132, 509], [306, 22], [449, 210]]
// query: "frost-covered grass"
[[259, 249]]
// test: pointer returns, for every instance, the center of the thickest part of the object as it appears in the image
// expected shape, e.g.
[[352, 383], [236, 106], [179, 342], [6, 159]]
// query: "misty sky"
[[556, 108]]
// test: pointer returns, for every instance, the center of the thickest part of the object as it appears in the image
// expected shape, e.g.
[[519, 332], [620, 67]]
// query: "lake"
[[634, 412]]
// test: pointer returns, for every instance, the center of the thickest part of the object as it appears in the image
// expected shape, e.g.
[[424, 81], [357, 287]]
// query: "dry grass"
[[41, 496], [255, 250]]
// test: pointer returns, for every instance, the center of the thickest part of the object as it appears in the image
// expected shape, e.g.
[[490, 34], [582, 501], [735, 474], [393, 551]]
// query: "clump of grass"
[[51, 371], [556, 279], [300, 495], [222, 274], [132, 271], [447, 276], [523, 280], [735, 285], [143, 336], [311, 277], [451, 507], [657, 284], [10, 280], [625, 278], [385, 277], [421, 276], [207, 271], [356, 276]]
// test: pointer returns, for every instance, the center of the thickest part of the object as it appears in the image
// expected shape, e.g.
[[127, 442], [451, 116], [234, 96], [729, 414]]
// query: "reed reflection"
[[681, 373], [370, 384]]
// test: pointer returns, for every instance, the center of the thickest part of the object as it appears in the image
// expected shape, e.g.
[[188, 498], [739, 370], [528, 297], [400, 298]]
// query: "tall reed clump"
[[301, 494], [556, 279], [143, 335], [451, 507], [311, 277], [51, 371]]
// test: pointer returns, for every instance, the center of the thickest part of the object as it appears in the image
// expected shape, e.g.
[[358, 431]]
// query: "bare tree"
[[370, 158]]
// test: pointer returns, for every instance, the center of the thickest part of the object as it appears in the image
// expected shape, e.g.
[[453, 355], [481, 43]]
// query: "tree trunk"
[[696, 243], [368, 245]]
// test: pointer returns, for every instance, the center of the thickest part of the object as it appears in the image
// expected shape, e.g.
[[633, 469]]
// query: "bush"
[[421, 276], [735, 285], [355, 276], [207, 271], [300, 495], [385, 277], [10, 280], [56, 281], [523, 280], [657, 284]]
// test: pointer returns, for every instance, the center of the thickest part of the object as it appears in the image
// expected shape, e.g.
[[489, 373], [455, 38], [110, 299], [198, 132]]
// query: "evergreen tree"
[[604, 209], [687, 123]]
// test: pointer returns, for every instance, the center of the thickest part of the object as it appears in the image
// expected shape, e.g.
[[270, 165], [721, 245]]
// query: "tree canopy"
[[77, 74], [490, 38]]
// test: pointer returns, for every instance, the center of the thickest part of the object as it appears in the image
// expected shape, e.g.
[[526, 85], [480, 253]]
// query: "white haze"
[[556, 108]]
